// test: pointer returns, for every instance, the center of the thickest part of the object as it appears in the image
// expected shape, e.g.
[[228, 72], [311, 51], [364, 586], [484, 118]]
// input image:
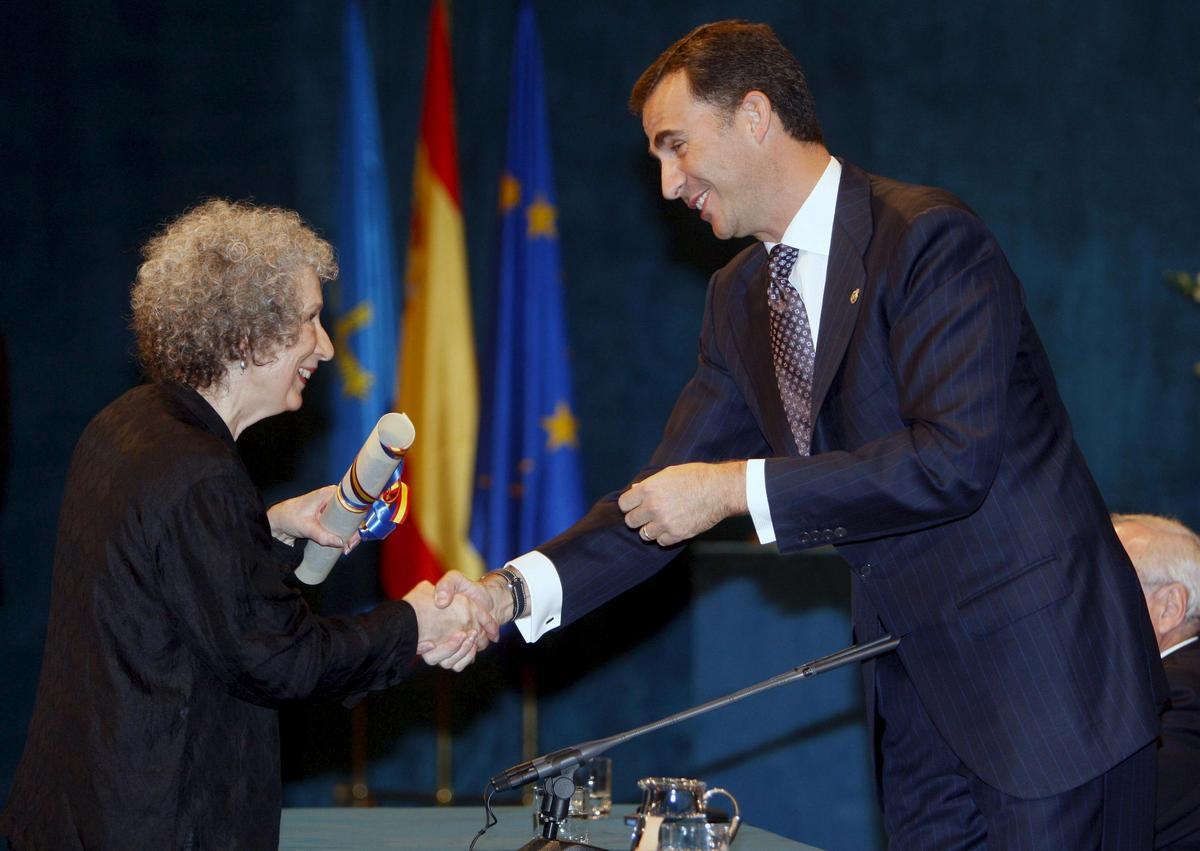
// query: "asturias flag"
[[528, 482], [437, 381], [364, 323]]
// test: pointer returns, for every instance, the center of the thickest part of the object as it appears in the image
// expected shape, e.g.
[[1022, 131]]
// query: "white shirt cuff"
[[545, 595], [756, 500]]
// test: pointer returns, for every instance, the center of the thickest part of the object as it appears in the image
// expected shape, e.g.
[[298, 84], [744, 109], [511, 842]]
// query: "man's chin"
[[720, 232]]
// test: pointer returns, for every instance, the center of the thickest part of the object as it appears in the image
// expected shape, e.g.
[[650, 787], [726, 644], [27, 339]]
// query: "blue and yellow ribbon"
[[388, 511]]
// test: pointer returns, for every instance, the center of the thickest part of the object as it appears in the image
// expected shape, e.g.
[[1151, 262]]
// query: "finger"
[[424, 647], [666, 540], [446, 649], [638, 517], [487, 624], [323, 536], [461, 664], [354, 541], [460, 661], [439, 654], [447, 587], [466, 657], [631, 499], [646, 533], [467, 647]]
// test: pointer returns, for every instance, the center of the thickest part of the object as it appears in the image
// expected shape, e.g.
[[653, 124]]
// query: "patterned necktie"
[[791, 345]]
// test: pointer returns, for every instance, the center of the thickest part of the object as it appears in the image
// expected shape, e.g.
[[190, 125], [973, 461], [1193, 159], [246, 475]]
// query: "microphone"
[[538, 768], [557, 762]]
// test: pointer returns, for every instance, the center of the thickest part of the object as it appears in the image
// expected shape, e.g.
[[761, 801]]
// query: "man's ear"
[[755, 108], [1170, 605]]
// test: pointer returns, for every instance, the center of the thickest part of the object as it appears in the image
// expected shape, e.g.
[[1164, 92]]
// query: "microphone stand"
[[556, 799]]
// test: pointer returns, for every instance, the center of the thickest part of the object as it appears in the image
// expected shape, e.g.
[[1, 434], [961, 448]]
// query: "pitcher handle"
[[736, 821]]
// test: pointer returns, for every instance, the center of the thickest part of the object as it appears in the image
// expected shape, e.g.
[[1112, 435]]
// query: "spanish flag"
[[437, 384]]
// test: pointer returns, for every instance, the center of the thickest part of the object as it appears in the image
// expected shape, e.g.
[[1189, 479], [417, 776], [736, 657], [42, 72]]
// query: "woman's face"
[[278, 385]]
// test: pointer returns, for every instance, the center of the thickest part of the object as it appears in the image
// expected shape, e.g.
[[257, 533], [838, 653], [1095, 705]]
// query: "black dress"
[[172, 638]]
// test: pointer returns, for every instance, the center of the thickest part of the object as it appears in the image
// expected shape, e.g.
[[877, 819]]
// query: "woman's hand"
[[300, 517]]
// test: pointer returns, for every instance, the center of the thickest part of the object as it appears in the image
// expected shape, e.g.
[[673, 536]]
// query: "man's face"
[[706, 157]]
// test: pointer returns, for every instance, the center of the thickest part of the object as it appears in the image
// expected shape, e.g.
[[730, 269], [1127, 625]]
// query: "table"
[[442, 828]]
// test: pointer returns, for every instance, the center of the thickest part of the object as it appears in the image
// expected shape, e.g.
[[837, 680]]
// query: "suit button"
[[839, 532], [865, 571]]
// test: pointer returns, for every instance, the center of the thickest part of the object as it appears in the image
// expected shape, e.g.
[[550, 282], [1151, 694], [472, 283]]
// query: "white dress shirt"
[[810, 231], [1175, 647]]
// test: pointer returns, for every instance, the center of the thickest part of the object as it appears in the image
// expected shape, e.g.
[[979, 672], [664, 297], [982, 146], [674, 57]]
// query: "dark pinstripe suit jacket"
[[945, 472]]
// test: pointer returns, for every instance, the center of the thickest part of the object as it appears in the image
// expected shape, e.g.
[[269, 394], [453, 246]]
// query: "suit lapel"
[[845, 273], [845, 278]]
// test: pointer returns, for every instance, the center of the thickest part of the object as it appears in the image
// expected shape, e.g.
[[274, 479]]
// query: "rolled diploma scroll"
[[361, 486]]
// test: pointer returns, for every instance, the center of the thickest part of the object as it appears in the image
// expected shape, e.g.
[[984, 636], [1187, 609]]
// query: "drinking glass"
[[694, 835], [594, 777]]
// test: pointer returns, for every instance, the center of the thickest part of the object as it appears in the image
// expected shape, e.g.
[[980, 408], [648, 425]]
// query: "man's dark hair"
[[726, 59]]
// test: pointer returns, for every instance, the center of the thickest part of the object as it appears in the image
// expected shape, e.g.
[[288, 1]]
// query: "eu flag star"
[[510, 192], [543, 219], [562, 429]]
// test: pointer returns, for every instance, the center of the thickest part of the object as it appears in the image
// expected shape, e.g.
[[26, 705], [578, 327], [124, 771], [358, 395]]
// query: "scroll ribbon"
[[388, 511]]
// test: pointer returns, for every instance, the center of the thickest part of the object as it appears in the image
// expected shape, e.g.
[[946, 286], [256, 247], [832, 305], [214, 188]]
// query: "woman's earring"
[[242, 364]]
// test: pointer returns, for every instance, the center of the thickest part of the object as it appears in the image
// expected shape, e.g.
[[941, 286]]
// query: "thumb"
[[327, 539], [447, 586]]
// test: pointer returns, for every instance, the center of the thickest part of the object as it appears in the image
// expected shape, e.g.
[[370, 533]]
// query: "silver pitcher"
[[678, 808]]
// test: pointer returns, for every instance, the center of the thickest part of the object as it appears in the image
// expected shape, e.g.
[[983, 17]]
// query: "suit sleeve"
[[599, 557], [955, 314], [223, 585]]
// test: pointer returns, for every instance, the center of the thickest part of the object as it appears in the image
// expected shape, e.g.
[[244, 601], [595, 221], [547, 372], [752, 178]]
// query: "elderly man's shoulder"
[[1183, 668]]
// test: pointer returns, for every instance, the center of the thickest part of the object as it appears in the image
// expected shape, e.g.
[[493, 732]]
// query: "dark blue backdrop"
[[1072, 130]]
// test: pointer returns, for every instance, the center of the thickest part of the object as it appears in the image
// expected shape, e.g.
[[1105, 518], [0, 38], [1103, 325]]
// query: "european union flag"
[[364, 324], [528, 485]]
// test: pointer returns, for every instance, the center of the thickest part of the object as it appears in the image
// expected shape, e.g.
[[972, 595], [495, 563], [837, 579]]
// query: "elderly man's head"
[[1166, 555]]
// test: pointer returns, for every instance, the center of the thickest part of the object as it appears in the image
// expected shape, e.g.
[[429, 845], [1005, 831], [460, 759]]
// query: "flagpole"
[[529, 718], [444, 737], [360, 792], [364, 304]]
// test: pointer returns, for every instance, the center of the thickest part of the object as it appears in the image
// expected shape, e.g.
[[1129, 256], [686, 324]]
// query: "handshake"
[[455, 620], [458, 617]]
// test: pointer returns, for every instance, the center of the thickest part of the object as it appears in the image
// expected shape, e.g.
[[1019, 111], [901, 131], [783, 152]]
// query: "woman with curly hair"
[[174, 629]]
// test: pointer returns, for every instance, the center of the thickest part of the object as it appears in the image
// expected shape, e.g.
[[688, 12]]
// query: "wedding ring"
[[645, 535]]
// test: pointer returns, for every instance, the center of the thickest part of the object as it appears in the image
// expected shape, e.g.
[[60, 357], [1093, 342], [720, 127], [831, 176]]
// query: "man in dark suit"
[[1166, 555], [868, 377]]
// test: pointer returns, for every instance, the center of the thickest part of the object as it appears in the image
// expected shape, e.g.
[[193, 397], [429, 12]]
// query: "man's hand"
[[489, 594], [449, 635], [300, 517], [678, 503]]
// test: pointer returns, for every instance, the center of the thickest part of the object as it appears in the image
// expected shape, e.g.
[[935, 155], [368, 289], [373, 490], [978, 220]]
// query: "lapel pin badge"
[[854, 295]]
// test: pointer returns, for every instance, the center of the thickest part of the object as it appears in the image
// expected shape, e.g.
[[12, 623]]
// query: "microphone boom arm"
[[556, 762]]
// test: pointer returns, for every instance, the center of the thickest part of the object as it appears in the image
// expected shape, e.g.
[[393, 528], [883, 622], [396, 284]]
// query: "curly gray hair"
[[218, 284]]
